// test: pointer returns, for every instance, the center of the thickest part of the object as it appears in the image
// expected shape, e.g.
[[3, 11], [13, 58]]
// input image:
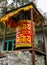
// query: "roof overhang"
[[22, 13]]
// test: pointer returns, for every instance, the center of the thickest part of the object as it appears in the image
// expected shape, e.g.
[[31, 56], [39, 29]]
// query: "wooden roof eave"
[[17, 9], [36, 10]]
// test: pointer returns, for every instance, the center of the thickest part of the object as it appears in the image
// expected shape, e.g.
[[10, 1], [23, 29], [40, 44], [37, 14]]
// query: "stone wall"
[[20, 58]]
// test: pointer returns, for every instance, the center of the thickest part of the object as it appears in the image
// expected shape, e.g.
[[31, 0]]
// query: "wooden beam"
[[44, 39], [33, 52]]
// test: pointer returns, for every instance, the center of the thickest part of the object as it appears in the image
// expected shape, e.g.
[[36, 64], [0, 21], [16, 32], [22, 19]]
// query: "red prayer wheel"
[[24, 33]]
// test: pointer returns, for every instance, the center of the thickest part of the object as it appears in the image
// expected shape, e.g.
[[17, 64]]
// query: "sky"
[[41, 4]]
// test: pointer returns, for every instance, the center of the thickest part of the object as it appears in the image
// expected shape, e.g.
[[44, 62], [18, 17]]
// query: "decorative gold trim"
[[7, 16]]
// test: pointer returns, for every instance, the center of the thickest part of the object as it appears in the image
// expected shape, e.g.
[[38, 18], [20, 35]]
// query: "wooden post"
[[4, 38], [5, 10], [33, 51], [44, 38], [43, 34]]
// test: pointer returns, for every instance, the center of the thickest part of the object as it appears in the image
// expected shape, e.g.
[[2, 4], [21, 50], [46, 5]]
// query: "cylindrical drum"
[[24, 33]]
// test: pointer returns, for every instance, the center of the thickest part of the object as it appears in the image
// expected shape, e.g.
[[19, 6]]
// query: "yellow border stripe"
[[23, 45], [7, 16]]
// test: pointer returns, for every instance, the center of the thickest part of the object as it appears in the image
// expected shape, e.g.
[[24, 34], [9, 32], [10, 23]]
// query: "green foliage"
[[23, 1], [1, 31], [1, 25]]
